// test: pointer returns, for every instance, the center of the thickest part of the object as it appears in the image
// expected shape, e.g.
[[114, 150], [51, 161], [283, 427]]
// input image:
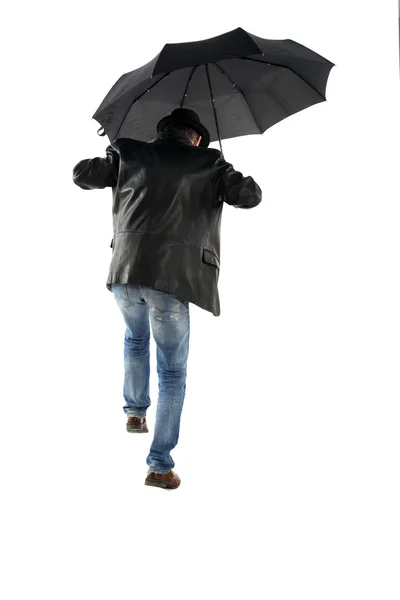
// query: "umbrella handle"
[[214, 109], [220, 145]]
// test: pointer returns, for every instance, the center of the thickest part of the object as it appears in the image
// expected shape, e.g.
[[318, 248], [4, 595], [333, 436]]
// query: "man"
[[168, 196]]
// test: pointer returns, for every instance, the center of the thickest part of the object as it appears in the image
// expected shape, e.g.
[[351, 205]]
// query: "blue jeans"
[[170, 323]]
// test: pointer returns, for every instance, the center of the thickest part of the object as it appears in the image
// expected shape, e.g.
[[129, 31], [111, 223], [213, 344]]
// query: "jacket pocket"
[[210, 258]]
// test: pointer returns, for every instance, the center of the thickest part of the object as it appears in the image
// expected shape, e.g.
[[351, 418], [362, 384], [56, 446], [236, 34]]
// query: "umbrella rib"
[[213, 103], [187, 84], [282, 67], [241, 91], [138, 98]]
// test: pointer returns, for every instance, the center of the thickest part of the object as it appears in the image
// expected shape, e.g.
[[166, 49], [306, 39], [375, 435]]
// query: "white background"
[[289, 441]]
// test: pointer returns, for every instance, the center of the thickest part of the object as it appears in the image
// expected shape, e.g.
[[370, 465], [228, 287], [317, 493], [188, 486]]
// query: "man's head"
[[186, 122], [188, 132]]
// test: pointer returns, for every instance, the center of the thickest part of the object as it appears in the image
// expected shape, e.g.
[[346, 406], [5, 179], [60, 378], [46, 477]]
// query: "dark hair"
[[188, 132]]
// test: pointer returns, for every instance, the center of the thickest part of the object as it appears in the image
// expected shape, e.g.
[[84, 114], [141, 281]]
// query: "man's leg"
[[170, 324], [135, 312]]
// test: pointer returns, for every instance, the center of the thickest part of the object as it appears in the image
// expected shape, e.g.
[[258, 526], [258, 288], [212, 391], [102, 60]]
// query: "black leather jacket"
[[168, 197]]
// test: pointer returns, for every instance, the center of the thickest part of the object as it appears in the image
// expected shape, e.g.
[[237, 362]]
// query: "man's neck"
[[173, 135]]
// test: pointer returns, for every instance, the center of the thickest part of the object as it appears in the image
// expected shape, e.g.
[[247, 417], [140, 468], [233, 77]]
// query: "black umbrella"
[[238, 83]]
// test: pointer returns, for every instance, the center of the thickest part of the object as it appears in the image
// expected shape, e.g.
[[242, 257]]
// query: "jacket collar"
[[172, 135]]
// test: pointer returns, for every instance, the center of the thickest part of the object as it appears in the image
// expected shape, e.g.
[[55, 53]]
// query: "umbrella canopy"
[[238, 83]]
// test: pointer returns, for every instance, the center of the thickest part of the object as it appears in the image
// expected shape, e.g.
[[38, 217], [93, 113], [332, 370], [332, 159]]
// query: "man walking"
[[168, 196]]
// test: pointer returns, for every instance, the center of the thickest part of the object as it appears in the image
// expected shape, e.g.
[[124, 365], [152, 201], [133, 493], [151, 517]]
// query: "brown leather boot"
[[136, 425], [168, 481]]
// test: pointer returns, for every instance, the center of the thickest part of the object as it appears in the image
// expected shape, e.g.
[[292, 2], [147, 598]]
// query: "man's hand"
[[97, 173]]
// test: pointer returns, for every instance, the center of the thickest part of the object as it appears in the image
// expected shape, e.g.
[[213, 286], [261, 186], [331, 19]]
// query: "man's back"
[[167, 205], [165, 189]]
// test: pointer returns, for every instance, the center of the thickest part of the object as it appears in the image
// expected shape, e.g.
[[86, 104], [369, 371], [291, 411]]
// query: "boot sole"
[[162, 484], [137, 430]]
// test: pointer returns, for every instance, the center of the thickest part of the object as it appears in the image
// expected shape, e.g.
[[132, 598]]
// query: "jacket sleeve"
[[231, 187], [97, 173]]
